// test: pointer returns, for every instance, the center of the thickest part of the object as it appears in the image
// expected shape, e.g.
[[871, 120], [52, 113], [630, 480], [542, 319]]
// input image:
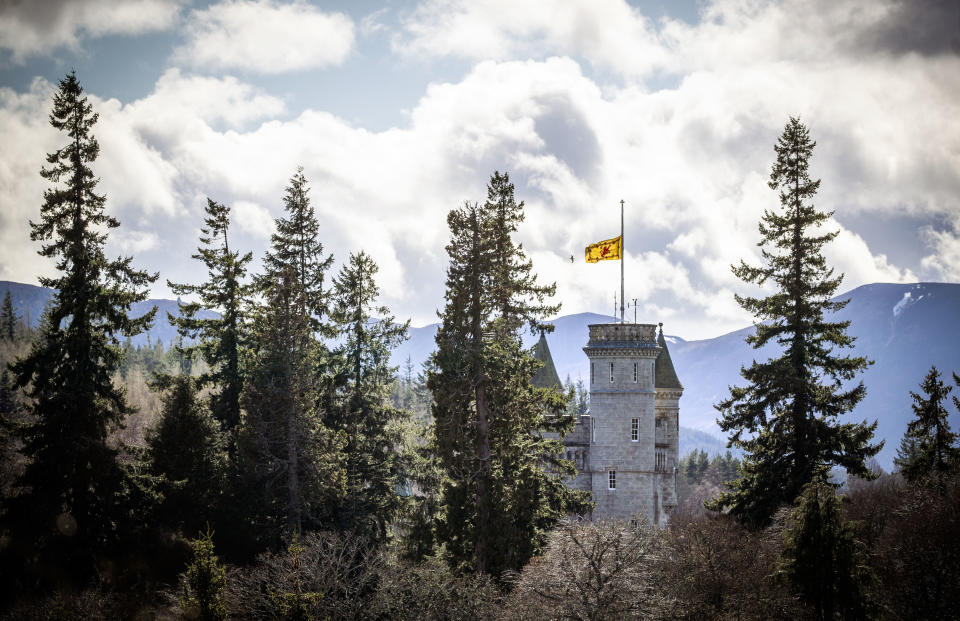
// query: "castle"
[[626, 448]]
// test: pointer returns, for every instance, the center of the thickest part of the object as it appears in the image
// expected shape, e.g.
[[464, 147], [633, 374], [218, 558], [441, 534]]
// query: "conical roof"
[[546, 376], [665, 376]]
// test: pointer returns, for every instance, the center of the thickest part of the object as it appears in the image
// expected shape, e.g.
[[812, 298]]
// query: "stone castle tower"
[[626, 449]]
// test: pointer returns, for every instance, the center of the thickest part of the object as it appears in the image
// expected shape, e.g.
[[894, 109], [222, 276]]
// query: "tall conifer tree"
[[504, 484], [222, 338], [8, 319], [290, 463], [289, 454], [296, 245], [785, 417], [929, 447], [361, 409], [72, 492], [188, 450], [822, 558]]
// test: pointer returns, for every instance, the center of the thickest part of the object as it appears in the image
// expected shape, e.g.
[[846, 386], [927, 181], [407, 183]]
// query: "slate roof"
[[665, 376], [546, 375]]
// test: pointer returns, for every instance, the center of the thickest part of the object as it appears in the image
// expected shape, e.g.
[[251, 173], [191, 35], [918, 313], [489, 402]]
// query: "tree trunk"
[[483, 479], [293, 479]]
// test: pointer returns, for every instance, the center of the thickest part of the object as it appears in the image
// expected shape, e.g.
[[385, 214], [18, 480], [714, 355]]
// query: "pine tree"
[[73, 484], [504, 483], [8, 319], [929, 448], [375, 460], [188, 450], [822, 558], [785, 417], [222, 338]]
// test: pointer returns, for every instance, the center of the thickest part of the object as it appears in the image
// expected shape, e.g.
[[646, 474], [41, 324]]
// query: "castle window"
[[592, 372], [612, 479], [635, 430], [611, 372], [634, 372]]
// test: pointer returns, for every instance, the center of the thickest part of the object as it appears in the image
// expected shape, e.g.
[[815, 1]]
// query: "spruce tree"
[[71, 501], [516, 296], [375, 460], [504, 481], [285, 439], [203, 583], [785, 417], [290, 463], [9, 422], [822, 558], [296, 245], [187, 449], [929, 448], [221, 339], [8, 319]]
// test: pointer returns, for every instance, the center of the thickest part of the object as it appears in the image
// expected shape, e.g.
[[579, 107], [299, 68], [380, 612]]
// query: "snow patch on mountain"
[[905, 301]]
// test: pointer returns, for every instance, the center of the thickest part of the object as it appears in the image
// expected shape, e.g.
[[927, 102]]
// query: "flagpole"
[[623, 253]]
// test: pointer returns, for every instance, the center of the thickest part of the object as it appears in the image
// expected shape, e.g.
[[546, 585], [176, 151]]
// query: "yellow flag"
[[607, 250]]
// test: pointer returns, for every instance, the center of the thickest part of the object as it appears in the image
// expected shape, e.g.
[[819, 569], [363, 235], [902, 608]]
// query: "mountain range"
[[902, 328], [29, 301]]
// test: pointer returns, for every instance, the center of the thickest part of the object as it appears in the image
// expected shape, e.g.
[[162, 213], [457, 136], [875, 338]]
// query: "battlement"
[[623, 339], [622, 334]]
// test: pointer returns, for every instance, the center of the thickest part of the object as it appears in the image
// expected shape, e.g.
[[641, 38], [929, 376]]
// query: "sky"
[[401, 111]]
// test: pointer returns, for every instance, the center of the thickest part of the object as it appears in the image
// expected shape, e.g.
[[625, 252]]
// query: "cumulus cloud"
[[253, 218], [607, 32], [613, 35], [944, 262], [41, 26], [266, 37], [691, 161], [27, 136]]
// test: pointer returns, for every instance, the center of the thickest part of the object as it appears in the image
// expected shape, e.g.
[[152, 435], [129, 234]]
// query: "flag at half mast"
[[606, 250]]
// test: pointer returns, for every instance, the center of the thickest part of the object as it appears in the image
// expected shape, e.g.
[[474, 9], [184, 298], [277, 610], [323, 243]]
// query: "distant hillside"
[[903, 328], [30, 300]]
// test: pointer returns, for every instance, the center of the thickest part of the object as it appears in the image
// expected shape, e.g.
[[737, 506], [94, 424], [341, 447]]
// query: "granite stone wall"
[[632, 428]]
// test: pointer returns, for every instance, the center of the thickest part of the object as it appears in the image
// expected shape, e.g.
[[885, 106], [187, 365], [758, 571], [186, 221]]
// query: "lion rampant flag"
[[607, 250]]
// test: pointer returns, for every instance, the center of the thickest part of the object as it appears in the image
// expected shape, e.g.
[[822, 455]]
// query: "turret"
[[623, 463]]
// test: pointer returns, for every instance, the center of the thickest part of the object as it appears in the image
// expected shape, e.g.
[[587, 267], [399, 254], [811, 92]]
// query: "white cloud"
[[134, 242], [253, 219], [374, 22], [944, 262], [266, 37], [691, 161], [182, 101], [41, 26], [848, 254], [26, 135], [606, 32]]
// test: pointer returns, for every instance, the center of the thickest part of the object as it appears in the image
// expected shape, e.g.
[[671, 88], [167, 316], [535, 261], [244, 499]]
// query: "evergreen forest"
[[272, 464]]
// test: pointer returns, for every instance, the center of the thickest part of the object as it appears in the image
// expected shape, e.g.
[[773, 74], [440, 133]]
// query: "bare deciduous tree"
[[592, 570]]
